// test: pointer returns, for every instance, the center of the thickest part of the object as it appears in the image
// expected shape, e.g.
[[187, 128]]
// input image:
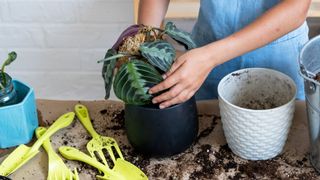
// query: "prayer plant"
[[141, 55], [11, 57]]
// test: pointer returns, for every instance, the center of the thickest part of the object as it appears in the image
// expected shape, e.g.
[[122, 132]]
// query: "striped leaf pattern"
[[160, 54], [107, 71], [181, 36], [133, 80]]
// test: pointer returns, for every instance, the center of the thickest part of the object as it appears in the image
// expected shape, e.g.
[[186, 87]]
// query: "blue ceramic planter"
[[18, 121]]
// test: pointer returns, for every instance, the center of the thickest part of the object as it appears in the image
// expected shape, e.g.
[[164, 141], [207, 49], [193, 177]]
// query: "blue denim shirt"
[[220, 18]]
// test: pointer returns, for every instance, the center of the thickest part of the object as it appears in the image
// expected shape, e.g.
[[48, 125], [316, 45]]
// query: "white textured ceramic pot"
[[257, 107]]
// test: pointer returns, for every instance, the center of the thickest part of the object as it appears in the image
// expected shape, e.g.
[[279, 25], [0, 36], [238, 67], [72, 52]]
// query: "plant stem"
[[4, 80], [160, 30], [1, 86], [114, 57], [155, 35], [162, 33], [148, 36]]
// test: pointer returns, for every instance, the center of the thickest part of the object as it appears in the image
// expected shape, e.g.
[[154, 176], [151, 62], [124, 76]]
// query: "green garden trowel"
[[122, 170], [23, 153], [118, 168]]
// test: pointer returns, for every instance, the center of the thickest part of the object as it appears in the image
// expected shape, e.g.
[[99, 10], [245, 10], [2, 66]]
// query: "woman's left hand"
[[184, 78]]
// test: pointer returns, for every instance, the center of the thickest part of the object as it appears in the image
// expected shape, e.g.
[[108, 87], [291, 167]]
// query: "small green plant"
[[141, 55], [11, 57]]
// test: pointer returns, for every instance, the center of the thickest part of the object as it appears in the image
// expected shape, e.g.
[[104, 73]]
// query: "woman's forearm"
[[152, 12], [278, 21]]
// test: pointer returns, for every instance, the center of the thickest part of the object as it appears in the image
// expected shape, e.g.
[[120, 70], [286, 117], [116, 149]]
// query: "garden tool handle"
[[46, 143], [62, 122], [75, 154], [83, 115], [50, 151]]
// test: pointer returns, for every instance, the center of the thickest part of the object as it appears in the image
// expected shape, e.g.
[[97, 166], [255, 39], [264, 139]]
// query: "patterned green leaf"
[[159, 53], [133, 80], [107, 71], [11, 57], [181, 36]]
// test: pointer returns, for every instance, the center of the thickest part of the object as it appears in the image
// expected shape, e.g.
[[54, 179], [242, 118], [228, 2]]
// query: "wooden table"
[[208, 158]]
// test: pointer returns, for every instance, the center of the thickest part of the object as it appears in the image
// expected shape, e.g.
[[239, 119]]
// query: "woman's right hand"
[[184, 78]]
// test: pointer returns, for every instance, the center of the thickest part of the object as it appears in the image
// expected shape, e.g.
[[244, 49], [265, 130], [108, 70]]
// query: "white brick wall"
[[59, 41]]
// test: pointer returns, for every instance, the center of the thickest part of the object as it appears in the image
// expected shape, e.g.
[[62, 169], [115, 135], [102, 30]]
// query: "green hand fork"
[[57, 168], [98, 143], [121, 171], [23, 153]]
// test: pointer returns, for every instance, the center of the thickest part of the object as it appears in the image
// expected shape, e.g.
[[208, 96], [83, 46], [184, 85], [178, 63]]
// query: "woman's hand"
[[184, 78]]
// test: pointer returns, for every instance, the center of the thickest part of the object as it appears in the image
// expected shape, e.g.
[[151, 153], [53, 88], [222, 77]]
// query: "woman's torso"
[[220, 18]]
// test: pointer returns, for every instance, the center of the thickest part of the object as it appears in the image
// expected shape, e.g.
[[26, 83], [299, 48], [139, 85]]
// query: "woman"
[[231, 35]]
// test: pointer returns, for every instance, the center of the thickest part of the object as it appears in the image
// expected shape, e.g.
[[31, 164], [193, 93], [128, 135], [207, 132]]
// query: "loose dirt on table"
[[208, 158]]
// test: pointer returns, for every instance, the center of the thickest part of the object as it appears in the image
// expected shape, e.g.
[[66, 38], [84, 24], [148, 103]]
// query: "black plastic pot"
[[161, 132]]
